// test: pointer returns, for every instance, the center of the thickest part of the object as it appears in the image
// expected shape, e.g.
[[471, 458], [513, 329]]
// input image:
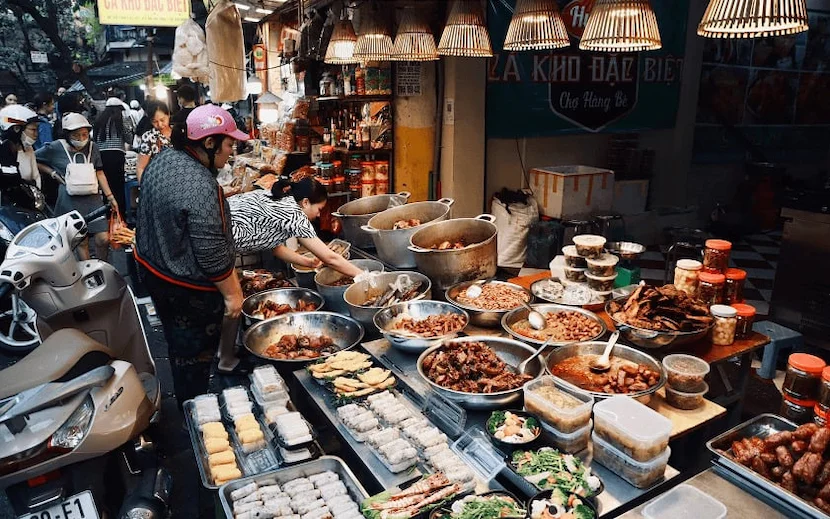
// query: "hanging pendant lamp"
[[374, 42], [341, 45], [466, 34], [414, 41], [536, 25], [753, 18], [621, 26]]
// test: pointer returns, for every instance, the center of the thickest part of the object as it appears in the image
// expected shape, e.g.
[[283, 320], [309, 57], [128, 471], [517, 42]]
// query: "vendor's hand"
[[113, 205], [313, 263], [366, 274], [233, 305]]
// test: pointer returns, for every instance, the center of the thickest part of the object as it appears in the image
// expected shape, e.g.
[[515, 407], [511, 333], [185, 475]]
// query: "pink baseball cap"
[[207, 120]]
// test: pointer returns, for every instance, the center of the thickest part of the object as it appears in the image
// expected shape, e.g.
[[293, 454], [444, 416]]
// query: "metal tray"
[[761, 426], [322, 464]]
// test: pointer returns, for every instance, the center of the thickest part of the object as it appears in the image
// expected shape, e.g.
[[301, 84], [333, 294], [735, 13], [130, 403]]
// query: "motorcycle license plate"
[[79, 506]]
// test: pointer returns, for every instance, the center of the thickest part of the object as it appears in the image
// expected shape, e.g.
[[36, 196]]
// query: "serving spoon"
[[537, 321], [525, 363], [474, 291], [603, 364]]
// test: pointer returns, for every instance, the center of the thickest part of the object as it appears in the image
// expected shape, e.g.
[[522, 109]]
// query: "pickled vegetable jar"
[[799, 411], [746, 316], [726, 319], [710, 288], [803, 376], [686, 275], [716, 256], [733, 291]]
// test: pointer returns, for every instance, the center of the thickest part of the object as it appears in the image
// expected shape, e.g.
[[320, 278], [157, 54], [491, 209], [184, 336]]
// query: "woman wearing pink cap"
[[184, 244]]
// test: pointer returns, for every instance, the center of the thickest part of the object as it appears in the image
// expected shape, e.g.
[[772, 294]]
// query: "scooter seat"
[[64, 355]]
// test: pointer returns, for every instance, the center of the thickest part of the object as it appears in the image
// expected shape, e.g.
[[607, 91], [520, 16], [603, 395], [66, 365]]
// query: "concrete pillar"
[[414, 145], [463, 139]]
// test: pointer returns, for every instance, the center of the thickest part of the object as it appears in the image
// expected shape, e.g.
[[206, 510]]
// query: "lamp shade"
[[621, 26], [374, 43], [536, 25], [753, 18], [466, 34], [341, 45], [414, 41]]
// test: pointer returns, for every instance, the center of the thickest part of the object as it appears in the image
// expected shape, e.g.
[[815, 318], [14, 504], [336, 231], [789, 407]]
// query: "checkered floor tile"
[[757, 254]]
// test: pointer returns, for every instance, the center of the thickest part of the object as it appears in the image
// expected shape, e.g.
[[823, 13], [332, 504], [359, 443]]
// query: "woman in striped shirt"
[[111, 133]]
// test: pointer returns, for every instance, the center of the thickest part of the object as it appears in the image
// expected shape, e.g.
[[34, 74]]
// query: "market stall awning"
[[122, 73]]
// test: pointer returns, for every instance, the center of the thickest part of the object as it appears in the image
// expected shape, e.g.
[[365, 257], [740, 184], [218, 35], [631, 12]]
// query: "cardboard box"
[[572, 191]]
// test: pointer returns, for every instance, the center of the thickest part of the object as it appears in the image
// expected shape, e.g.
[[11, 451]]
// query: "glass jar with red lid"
[[716, 256], [710, 288], [803, 376], [746, 317], [733, 291], [824, 390], [819, 416], [797, 410]]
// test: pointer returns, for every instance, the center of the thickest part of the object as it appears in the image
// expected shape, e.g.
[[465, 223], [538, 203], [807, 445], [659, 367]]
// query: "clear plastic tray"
[[636, 430], [641, 475], [564, 420], [685, 502], [570, 442], [199, 446], [294, 445], [289, 458], [476, 449], [273, 398], [398, 467], [260, 460]]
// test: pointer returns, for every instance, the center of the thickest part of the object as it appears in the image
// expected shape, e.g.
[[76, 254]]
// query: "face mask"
[[27, 141], [78, 144]]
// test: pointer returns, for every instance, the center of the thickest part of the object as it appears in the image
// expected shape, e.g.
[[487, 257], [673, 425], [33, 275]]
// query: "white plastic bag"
[[226, 52], [190, 57], [513, 222]]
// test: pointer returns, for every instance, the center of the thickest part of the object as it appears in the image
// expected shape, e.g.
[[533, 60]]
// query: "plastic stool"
[[780, 337]]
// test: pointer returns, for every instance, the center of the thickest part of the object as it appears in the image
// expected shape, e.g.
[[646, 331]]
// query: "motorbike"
[[74, 411]]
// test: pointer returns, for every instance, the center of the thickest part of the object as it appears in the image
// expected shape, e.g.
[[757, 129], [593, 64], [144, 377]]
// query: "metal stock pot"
[[357, 213]]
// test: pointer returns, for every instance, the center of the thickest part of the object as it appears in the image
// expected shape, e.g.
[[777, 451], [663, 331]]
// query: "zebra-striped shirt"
[[262, 223]]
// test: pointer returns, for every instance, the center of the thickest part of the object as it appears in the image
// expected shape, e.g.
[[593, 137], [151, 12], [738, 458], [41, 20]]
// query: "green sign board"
[[541, 93]]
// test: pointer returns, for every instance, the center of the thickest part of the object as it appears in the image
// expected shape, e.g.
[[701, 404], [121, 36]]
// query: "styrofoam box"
[[572, 191]]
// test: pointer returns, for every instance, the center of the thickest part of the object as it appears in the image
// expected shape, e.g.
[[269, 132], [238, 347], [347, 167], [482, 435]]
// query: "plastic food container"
[[798, 411], [746, 316], [686, 399], [604, 265], [733, 292], [565, 410], [716, 256], [726, 320], [632, 428], [803, 376], [570, 442], [819, 416], [686, 273], [685, 502], [601, 283], [572, 259], [639, 474], [824, 390], [710, 288], [589, 245], [685, 372], [576, 275]]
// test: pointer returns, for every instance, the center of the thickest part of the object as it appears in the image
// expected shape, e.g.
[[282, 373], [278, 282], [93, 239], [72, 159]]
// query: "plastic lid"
[[634, 419], [744, 310], [735, 274], [806, 362], [803, 403], [689, 264], [718, 244], [723, 311], [686, 364], [712, 278], [685, 502]]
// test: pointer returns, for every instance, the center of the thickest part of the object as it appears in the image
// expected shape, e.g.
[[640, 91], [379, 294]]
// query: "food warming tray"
[[322, 464], [761, 426]]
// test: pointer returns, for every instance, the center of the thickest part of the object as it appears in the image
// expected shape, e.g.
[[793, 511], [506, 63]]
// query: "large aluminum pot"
[[512, 352], [392, 244], [479, 316], [478, 260], [358, 293], [281, 296], [333, 295], [357, 213], [344, 331]]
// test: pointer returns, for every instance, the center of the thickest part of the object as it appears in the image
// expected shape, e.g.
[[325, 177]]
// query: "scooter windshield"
[[34, 238]]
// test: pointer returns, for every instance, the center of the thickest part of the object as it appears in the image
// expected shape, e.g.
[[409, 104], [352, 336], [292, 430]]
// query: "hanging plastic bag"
[[119, 234], [515, 213], [226, 52], [190, 57]]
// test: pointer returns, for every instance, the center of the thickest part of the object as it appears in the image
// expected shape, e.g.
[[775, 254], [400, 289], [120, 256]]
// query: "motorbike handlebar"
[[98, 213]]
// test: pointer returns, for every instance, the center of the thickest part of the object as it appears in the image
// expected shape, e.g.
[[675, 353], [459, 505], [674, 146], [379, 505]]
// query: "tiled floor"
[[757, 254]]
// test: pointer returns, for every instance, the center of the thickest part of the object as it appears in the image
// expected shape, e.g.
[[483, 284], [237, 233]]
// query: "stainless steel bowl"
[[510, 351], [333, 295], [344, 331], [653, 339], [408, 342], [305, 276], [514, 316], [281, 296], [626, 250], [358, 293], [479, 317], [620, 351]]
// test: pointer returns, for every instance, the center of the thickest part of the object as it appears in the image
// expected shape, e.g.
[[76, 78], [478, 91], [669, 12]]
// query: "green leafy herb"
[[489, 508], [564, 472], [494, 422], [583, 512], [532, 424]]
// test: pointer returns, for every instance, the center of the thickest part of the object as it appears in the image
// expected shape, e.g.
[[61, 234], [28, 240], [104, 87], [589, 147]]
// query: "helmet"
[[16, 115], [72, 121], [207, 120]]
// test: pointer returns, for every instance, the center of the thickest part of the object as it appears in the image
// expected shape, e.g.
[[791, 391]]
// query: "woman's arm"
[[105, 187], [143, 160], [289, 256], [231, 291], [329, 257]]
